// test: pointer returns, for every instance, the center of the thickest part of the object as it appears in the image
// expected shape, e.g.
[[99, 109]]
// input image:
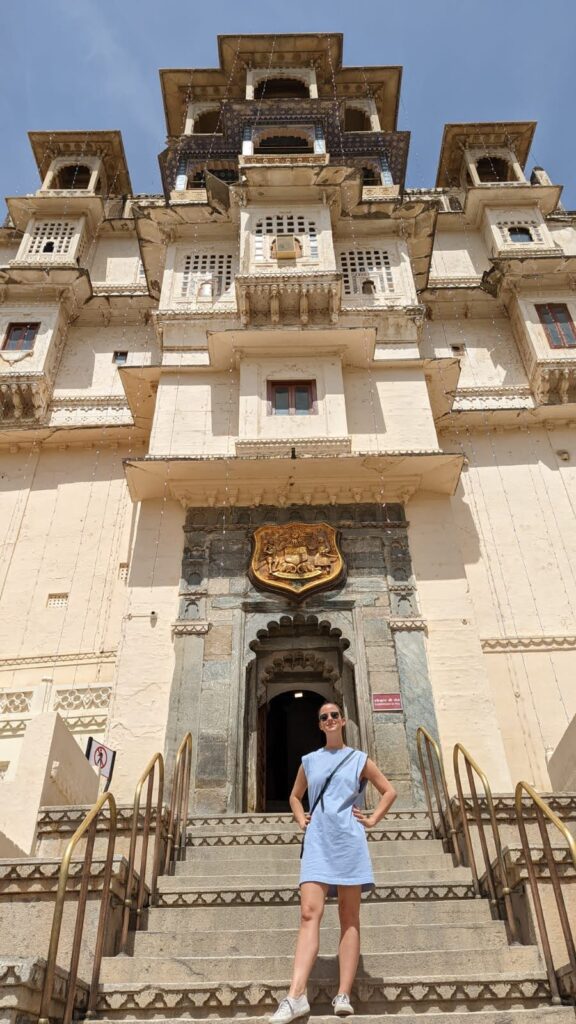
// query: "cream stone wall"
[[145, 666], [116, 261], [488, 351], [514, 519], [458, 254], [67, 522], [195, 414], [388, 408], [463, 698], [87, 367]]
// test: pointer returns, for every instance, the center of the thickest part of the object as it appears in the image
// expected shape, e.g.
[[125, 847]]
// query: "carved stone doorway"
[[297, 654]]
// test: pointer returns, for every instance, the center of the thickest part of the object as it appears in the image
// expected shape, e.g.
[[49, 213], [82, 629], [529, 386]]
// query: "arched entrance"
[[295, 655]]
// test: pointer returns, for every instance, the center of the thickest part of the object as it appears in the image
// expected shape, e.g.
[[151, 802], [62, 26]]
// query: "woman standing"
[[335, 856]]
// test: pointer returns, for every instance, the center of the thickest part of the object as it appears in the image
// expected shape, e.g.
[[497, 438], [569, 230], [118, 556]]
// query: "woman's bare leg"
[[349, 947], [312, 897]]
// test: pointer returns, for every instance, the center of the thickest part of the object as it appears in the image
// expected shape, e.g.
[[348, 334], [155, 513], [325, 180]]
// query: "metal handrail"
[[543, 810], [446, 829], [178, 816], [472, 768], [88, 825], [149, 774]]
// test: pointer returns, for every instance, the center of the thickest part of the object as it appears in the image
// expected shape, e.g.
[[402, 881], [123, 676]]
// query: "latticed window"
[[57, 601], [558, 324], [360, 266], [51, 236], [206, 275], [285, 224]]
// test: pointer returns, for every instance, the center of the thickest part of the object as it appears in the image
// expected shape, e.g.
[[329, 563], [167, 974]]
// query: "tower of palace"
[[289, 431]]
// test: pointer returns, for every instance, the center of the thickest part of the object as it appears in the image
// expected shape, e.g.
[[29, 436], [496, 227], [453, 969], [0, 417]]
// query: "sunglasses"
[[329, 714]]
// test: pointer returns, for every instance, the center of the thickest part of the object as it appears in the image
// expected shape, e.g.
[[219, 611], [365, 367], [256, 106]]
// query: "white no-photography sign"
[[101, 757]]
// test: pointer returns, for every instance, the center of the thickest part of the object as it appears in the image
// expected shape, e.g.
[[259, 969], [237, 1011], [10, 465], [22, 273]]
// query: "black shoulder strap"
[[320, 798]]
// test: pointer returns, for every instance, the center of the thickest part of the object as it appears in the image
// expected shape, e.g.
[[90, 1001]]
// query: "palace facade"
[[287, 431]]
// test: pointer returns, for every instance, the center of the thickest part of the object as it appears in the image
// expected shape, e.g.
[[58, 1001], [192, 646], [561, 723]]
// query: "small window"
[[57, 601], [520, 234], [292, 397], [558, 324], [120, 358], [20, 337], [123, 572]]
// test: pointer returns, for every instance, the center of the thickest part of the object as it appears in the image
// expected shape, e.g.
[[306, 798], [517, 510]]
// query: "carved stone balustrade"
[[554, 382], [289, 297], [23, 397]]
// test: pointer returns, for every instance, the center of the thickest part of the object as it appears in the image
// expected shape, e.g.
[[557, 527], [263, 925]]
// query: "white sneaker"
[[290, 1008], [342, 1005]]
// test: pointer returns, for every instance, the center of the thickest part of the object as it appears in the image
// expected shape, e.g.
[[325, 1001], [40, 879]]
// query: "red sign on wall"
[[387, 702]]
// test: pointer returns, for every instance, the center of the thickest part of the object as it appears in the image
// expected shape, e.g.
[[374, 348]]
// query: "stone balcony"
[[554, 381], [23, 396], [289, 297]]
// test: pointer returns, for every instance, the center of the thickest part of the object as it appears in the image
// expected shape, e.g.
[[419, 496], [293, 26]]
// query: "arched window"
[[207, 123], [368, 287], [493, 168], [72, 176], [281, 88], [356, 120]]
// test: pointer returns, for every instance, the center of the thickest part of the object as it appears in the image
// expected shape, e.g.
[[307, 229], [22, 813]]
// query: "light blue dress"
[[336, 848]]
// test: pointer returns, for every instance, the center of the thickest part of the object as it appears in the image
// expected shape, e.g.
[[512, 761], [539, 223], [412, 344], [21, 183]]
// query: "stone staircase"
[[219, 941]]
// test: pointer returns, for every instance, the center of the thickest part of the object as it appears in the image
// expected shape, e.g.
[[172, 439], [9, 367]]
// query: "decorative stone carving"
[[13, 702], [509, 644], [82, 698], [297, 559], [190, 627]]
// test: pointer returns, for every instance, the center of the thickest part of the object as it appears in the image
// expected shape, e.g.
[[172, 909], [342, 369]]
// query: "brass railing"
[[543, 811], [89, 826], [137, 904], [473, 769], [445, 829], [178, 815]]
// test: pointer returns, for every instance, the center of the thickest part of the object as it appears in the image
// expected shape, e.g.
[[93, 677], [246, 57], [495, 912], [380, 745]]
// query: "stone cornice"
[[527, 644], [38, 660]]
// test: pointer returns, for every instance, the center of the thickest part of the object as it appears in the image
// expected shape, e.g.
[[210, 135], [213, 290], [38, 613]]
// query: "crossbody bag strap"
[[320, 798]]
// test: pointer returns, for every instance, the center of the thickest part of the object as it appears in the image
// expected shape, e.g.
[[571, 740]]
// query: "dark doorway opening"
[[291, 731]]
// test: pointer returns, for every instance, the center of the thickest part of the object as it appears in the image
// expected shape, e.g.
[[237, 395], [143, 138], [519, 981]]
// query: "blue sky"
[[93, 64]]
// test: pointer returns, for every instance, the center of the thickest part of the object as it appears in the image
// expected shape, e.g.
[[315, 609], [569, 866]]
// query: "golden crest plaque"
[[296, 559]]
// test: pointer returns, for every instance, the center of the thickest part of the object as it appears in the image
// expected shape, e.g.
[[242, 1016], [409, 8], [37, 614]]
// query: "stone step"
[[539, 1015], [373, 966], [280, 915], [178, 892], [275, 821], [238, 863], [376, 938], [220, 854], [276, 879], [409, 996], [287, 835]]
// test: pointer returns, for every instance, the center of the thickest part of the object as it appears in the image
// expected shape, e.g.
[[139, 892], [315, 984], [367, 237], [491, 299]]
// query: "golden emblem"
[[296, 559]]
